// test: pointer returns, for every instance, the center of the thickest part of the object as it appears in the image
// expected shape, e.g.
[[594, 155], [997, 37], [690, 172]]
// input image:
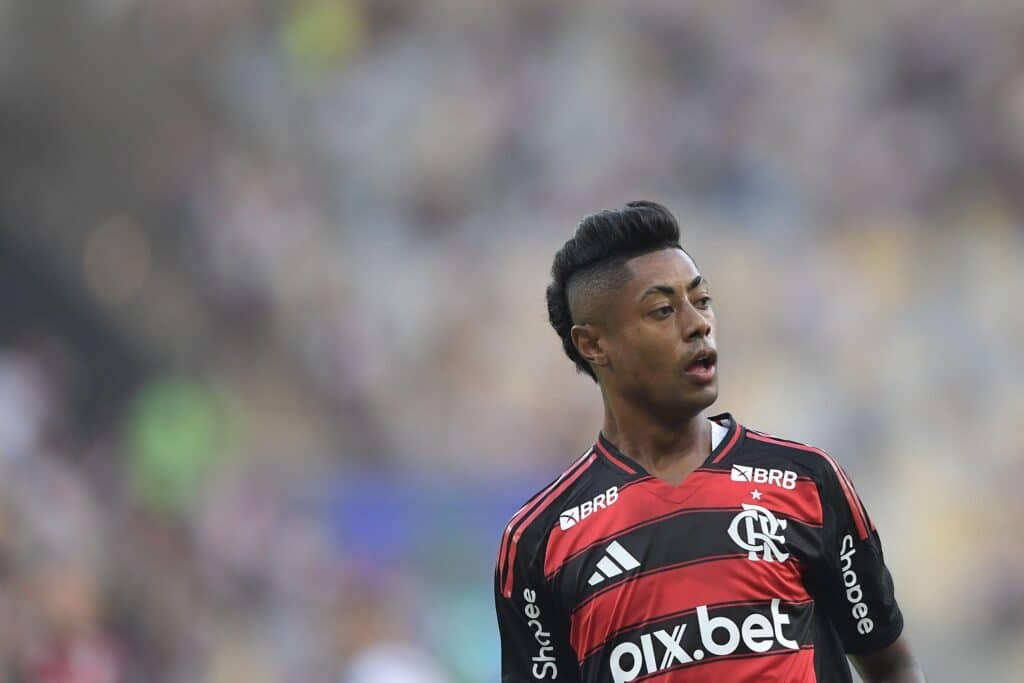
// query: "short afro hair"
[[601, 245]]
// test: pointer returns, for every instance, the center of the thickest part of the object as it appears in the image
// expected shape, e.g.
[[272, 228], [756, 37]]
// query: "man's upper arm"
[[855, 587], [534, 635]]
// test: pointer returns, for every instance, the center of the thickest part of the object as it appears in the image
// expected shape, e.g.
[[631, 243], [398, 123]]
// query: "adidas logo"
[[615, 561]]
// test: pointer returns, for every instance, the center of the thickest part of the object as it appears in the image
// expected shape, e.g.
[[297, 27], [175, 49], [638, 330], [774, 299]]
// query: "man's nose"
[[696, 326]]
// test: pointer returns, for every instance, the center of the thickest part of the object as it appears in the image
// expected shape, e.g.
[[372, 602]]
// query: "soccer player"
[[681, 547]]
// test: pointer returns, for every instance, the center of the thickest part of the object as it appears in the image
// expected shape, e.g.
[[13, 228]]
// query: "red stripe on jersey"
[[792, 666], [606, 453], [801, 503], [860, 515], [639, 505], [557, 524], [667, 590], [556, 489], [728, 446]]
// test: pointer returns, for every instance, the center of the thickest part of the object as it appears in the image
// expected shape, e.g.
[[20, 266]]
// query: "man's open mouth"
[[705, 359], [702, 367]]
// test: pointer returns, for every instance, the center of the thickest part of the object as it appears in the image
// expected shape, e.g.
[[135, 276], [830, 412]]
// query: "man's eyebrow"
[[658, 289], [670, 291]]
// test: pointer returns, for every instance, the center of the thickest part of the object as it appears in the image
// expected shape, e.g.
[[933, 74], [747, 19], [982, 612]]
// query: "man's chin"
[[687, 403], [700, 398]]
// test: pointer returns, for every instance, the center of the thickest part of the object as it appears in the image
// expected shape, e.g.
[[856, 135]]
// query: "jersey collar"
[[611, 454]]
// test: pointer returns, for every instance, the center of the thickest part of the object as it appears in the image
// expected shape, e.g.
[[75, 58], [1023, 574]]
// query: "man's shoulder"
[[525, 535], [774, 459], [540, 513], [769, 450]]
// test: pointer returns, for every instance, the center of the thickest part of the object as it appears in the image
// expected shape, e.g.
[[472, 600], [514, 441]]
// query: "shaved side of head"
[[592, 265], [588, 291]]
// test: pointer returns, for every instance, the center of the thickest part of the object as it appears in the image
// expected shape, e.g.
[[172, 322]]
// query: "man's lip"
[[701, 374], [702, 353], [696, 371]]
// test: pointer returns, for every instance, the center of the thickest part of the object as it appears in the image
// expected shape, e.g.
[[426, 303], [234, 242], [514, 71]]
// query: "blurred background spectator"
[[274, 360]]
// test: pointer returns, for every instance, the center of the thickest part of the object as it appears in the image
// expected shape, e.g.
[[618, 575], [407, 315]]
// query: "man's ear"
[[588, 341]]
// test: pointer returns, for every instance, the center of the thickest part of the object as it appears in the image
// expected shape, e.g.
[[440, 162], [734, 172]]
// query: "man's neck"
[[669, 451]]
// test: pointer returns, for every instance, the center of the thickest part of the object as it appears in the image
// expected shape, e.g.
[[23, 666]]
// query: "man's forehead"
[[596, 295], [668, 267]]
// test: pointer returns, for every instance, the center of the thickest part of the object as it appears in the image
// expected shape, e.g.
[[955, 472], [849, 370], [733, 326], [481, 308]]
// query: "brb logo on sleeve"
[[757, 531], [571, 517]]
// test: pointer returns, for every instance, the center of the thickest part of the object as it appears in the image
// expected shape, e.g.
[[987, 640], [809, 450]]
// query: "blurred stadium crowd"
[[274, 362]]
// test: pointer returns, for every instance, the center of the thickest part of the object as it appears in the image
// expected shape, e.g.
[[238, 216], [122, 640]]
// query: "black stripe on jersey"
[[706, 535], [690, 647], [704, 531], [605, 540]]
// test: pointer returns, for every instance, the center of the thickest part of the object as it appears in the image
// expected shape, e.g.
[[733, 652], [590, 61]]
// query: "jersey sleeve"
[[534, 637], [856, 588]]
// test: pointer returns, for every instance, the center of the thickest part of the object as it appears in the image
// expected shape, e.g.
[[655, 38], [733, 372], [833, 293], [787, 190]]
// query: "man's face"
[[655, 332]]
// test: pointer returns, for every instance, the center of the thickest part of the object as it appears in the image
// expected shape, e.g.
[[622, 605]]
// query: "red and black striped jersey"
[[762, 565]]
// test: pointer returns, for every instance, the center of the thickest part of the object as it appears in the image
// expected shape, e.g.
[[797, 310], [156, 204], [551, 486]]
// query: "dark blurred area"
[[274, 361]]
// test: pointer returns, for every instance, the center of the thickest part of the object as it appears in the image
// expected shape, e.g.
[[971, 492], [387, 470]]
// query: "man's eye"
[[704, 302], [662, 312]]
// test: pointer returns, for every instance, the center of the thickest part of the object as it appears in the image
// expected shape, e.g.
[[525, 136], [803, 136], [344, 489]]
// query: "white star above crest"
[[755, 494]]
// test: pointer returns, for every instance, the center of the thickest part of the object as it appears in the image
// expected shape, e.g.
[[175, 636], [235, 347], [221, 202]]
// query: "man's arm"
[[534, 637], [892, 664], [855, 588]]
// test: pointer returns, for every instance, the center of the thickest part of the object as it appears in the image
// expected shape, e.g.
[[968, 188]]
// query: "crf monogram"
[[757, 530]]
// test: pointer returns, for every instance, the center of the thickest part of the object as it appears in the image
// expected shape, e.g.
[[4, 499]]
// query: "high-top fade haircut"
[[594, 260]]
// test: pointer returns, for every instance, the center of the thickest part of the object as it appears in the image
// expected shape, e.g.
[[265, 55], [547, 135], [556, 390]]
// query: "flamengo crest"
[[757, 531]]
